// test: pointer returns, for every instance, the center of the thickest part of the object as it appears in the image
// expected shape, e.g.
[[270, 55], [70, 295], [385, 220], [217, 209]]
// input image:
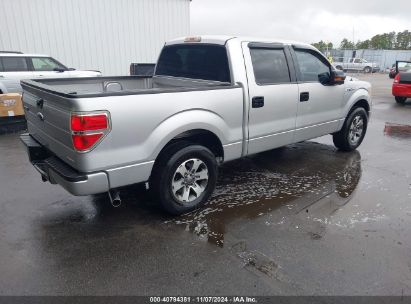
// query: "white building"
[[105, 35]]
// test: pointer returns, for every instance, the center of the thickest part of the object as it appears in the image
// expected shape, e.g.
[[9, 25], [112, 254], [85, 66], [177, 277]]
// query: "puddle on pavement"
[[306, 178], [397, 130]]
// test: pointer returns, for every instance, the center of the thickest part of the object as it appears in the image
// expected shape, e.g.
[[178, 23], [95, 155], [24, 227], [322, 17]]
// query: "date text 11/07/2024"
[[203, 300]]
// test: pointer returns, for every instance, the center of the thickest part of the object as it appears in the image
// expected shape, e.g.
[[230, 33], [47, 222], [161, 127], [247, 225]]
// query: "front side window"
[[270, 66], [357, 61], [45, 64], [202, 61], [14, 64], [311, 67]]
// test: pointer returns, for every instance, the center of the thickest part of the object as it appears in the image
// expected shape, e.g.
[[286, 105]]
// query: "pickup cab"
[[357, 64], [212, 99]]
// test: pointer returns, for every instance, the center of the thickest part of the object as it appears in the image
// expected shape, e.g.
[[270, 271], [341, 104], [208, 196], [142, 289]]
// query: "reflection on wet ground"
[[288, 181]]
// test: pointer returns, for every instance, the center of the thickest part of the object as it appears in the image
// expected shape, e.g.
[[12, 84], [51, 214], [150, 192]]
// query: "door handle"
[[40, 116], [304, 96], [257, 102]]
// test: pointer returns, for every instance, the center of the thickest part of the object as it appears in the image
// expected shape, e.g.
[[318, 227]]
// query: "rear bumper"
[[401, 90], [55, 171]]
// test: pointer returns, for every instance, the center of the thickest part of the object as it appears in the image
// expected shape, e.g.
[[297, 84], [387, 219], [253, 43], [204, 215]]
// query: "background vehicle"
[[142, 69], [357, 64], [16, 66], [401, 88], [212, 99], [399, 66]]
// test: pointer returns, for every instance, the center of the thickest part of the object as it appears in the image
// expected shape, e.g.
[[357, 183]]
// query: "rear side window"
[[45, 64], [14, 64], [270, 66], [206, 62]]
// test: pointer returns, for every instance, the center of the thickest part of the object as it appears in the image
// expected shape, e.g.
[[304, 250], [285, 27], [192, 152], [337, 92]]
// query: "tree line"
[[386, 41]]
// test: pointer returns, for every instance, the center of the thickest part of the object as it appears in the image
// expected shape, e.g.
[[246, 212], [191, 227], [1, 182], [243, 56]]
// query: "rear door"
[[273, 95], [13, 69], [320, 105]]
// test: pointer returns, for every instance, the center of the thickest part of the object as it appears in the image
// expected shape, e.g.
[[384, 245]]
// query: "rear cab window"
[[195, 61], [270, 66]]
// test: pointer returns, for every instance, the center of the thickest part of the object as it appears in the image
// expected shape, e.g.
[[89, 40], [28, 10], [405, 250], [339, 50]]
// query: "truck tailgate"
[[48, 121]]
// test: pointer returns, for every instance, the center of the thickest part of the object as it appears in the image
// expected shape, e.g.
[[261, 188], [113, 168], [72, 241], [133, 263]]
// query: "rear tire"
[[400, 100], [353, 131], [184, 178]]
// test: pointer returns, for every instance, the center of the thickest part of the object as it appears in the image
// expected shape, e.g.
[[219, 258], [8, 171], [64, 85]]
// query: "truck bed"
[[117, 86]]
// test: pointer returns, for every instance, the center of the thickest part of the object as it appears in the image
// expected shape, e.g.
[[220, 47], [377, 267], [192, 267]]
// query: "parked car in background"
[[212, 99], [16, 66], [401, 88], [358, 65], [399, 66], [142, 69]]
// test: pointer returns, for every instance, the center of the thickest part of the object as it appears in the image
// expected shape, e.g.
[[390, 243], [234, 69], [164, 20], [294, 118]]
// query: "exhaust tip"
[[115, 199]]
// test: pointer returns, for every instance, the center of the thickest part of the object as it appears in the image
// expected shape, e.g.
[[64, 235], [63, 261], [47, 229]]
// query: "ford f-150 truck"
[[212, 99], [357, 64]]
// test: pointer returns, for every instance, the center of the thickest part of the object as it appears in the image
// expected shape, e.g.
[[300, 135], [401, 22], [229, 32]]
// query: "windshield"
[[201, 61]]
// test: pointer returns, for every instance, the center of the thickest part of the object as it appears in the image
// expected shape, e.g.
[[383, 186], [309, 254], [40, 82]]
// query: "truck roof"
[[220, 39], [22, 55]]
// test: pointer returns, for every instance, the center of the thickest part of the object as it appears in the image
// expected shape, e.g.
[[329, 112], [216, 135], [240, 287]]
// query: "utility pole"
[[353, 36]]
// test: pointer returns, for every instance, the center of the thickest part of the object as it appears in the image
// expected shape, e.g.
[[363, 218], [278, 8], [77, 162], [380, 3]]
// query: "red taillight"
[[81, 123], [88, 129], [84, 142], [397, 78]]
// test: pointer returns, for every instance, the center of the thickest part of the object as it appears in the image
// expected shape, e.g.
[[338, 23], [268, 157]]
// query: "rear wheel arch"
[[201, 137]]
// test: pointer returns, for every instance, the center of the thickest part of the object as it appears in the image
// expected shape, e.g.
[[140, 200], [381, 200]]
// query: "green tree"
[[346, 44], [323, 46], [363, 44], [403, 41]]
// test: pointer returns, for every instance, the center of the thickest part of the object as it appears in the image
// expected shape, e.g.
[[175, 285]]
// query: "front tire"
[[184, 178], [353, 131], [367, 70], [400, 100]]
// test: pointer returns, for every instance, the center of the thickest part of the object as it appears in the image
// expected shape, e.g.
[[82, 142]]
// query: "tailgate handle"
[[41, 116], [40, 103]]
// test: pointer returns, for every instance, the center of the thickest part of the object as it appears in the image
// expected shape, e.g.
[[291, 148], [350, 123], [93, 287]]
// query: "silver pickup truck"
[[211, 100], [358, 65]]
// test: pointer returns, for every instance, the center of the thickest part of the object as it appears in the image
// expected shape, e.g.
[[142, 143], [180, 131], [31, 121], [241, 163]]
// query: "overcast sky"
[[302, 20]]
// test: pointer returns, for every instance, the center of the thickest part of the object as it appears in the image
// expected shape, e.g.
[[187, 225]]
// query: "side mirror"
[[60, 70], [337, 77]]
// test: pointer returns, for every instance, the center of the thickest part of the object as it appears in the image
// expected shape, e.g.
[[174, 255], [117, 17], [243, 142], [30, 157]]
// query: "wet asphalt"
[[301, 220]]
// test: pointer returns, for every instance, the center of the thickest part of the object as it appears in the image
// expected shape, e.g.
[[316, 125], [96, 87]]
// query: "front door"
[[320, 106], [273, 95]]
